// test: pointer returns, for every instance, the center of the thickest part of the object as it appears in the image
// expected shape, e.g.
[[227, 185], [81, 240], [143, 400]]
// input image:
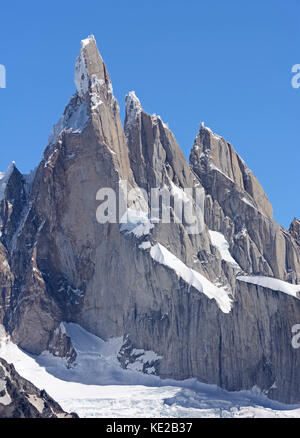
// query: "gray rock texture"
[[58, 263], [242, 212], [295, 229]]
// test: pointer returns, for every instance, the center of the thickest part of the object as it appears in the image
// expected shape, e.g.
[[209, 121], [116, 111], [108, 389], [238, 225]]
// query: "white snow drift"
[[218, 240], [161, 255], [273, 284]]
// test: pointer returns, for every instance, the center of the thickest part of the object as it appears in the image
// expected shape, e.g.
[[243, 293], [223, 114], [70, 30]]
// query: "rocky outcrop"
[[243, 215], [21, 399], [295, 229], [214, 154], [6, 282], [155, 156], [13, 203], [53, 255], [157, 162], [164, 288]]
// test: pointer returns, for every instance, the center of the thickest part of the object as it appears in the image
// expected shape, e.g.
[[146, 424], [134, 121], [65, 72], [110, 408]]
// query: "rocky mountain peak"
[[90, 69], [295, 229], [92, 111], [157, 284], [4, 178], [133, 108], [155, 156], [94, 89], [212, 154], [12, 200]]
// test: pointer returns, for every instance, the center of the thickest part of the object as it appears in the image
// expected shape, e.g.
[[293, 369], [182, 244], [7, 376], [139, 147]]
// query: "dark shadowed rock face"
[[6, 281], [13, 203], [57, 263], [20, 399]]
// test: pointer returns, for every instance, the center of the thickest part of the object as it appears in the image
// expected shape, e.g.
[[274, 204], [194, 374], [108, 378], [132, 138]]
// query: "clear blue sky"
[[227, 63]]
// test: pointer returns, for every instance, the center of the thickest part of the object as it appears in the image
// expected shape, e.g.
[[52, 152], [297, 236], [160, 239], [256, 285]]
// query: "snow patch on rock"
[[96, 85], [74, 120], [218, 240], [273, 284], [143, 361], [136, 222], [81, 75], [193, 278], [246, 201], [145, 245], [133, 108], [206, 128], [87, 41], [214, 167]]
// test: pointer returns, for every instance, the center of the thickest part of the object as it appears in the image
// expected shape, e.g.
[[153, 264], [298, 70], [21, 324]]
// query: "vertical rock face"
[[211, 153], [6, 282], [157, 162], [238, 207], [295, 229], [155, 156], [184, 295], [54, 250], [13, 202]]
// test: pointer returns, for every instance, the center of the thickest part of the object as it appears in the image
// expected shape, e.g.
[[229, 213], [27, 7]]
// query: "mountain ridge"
[[162, 288]]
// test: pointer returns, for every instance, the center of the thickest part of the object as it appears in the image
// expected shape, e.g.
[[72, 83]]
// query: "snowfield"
[[97, 386]]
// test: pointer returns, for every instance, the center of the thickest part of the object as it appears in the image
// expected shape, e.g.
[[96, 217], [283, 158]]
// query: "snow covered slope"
[[96, 385]]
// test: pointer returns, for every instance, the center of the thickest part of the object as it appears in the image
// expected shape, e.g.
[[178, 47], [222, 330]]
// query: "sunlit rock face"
[[161, 287], [295, 229]]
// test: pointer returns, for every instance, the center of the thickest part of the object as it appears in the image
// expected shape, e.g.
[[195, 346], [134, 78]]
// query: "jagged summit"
[[133, 107], [4, 178], [157, 285], [87, 41], [295, 221], [295, 229], [9, 170], [203, 128], [213, 155], [89, 68], [94, 89]]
